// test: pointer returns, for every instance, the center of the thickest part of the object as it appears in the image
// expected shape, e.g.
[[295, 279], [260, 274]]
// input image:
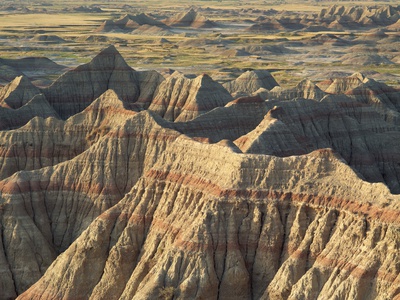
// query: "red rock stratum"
[[123, 184]]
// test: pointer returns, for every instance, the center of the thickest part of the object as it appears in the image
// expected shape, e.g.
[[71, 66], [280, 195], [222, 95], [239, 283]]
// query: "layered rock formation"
[[32, 66], [292, 196], [190, 18], [305, 89], [75, 90], [17, 93], [336, 17], [14, 118], [250, 82], [130, 22], [219, 232], [179, 98], [361, 15]]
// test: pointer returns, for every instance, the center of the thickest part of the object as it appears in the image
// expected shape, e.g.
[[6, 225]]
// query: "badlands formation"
[[125, 184], [251, 153]]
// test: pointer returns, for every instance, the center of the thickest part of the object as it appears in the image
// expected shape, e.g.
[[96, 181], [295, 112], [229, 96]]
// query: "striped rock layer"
[[290, 195]]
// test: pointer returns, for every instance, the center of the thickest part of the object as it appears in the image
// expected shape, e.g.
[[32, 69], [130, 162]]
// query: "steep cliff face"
[[284, 198]]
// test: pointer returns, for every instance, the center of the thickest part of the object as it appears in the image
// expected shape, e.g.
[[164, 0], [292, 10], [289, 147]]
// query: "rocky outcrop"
[[356, 131], [62, 205], [305, 89], [360, 15], [259, 197], [271, 136], [107, 26], [251, 81], [129, 22], [135, 21], [149, 82], [14, 118], [336, 17], [76, 89], [199, 229], [385, 99], [17, 93], [190, 18], [181, 99], [341, 85], [47, 142]]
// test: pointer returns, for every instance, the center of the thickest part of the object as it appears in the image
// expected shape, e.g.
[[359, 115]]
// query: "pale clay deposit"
[[121, 183]]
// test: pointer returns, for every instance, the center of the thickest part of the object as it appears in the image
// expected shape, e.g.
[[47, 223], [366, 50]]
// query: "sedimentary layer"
[[134, 186]]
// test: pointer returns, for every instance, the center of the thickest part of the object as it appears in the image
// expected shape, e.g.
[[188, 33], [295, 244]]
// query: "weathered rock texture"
[[76, 89], [17, 93], [232, 230], [130, 22], [14, 118], [305, 89], [190, 18], [251, 81], [179, 98], [336, 17], [284, 198]]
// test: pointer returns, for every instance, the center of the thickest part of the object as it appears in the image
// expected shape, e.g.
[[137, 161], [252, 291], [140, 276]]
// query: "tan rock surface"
[[14, 118], [305, 89], [181, 99], [17, 93], [201, 229], [250, 81], [190, 18], [65, 198], [76, 89], [284, 198]]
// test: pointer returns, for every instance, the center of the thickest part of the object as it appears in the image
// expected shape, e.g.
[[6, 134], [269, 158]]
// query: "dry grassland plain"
[[68, 33]]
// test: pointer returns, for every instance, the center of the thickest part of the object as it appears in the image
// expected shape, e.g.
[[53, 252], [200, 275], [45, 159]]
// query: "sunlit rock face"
[[131, 186]]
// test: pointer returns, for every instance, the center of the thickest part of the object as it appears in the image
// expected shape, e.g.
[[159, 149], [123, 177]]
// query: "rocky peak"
[[181, 99], [305, 89], [108, 59], [75, 90], [251, 81], [17, 93], [106, 26], [271, 136], [134, 21], [190, 18], [37, 106], [343, 84]]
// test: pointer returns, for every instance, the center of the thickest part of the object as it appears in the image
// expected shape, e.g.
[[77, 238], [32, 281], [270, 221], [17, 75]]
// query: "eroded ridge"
[[142, 186]]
